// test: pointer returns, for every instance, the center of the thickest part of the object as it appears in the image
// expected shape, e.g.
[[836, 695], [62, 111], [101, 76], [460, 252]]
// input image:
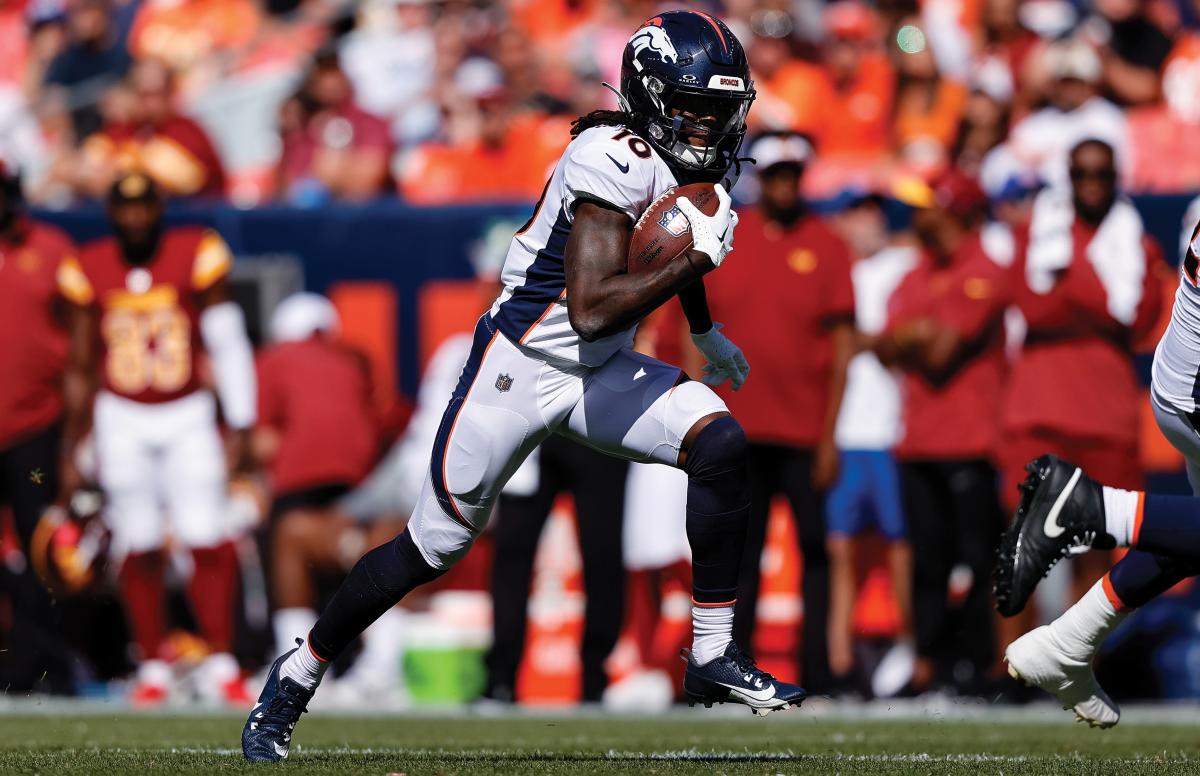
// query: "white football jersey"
[[1175, 374], [609, 164]]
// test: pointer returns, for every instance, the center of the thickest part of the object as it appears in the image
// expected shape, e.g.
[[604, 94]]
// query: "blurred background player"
[[146, 302], [945, 331], [867, 490], [316, 434], [33, 354], [799, 268], [1089, 288], [1059, 656], [596, 483]]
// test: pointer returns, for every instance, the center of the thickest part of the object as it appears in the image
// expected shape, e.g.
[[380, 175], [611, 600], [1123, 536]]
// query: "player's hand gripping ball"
[[696, 216]]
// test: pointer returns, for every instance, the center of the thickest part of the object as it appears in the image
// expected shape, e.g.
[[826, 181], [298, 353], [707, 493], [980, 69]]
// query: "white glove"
[[725, 360], [711, 235]]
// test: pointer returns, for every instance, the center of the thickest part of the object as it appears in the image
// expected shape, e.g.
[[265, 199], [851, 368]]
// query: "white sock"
[[712, 627], [291, 624], [303, 668], [1120, 514], [1083, 627]]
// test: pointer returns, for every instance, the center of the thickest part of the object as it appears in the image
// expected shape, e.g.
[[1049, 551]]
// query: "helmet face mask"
[[685, 77]]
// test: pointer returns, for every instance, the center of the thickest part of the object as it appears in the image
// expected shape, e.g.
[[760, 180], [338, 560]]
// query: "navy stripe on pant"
[[485, 332]]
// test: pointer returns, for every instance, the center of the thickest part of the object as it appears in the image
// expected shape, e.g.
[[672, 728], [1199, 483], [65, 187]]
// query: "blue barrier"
[[409, 246]]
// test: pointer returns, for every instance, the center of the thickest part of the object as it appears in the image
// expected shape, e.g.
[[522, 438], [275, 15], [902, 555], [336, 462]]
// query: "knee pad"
[[718, 449]]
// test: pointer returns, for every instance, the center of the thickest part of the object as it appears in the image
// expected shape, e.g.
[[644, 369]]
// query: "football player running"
[[1064, 512], [554, 355]]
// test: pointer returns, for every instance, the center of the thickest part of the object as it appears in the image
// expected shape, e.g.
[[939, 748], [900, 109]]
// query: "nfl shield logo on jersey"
[[675, 222], [503, 383]]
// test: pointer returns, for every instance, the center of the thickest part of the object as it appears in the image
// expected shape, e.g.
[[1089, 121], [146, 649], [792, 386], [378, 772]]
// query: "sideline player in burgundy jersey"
[[33, 350], [553, 356], [145, 303]]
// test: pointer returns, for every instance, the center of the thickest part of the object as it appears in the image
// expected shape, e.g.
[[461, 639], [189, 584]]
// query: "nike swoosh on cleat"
[[761, 696], [1051, 526], [621, 167], [282, 751]]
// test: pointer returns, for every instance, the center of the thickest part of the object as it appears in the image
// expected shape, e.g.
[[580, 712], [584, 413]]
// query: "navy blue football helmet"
[[686, 80]]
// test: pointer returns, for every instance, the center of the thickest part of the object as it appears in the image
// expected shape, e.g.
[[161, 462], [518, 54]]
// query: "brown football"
[[663, 234]]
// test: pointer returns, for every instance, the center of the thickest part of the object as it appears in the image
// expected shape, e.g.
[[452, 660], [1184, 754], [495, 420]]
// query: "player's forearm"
[[616, 303], [694, 302]]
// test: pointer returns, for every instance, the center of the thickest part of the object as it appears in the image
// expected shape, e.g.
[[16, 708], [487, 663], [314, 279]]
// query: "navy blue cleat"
[[268, 732], [734, 678], [1061, 514]]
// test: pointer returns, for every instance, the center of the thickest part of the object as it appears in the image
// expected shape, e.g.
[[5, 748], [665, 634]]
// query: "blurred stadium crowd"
[[941, 321], [304, 101]]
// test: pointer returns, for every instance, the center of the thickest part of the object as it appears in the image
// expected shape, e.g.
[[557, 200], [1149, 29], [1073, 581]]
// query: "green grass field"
[[676, 744]]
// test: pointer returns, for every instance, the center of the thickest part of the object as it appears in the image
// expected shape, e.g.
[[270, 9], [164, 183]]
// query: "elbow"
[[588, 325], [588, 328]]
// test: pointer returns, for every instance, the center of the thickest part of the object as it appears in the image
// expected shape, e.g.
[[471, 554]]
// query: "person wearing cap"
[[317, 435], [866, 494], [945, 331], [145, 303], [33, 349], [1076, 111], [332, 148], [1090, 288], [798, 273]]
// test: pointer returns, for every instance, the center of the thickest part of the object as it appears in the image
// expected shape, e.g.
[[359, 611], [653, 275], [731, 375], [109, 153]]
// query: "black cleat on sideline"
[[1061, 513], [734, 678], [268, 732]]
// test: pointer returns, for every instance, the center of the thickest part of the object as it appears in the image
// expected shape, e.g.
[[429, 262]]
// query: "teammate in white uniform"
[[553, 356], [1066, 505]]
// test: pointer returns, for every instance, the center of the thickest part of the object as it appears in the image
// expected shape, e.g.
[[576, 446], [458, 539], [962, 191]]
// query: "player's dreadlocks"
[[602, 118]]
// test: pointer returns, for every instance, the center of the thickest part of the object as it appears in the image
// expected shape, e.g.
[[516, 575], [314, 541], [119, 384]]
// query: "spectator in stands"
[[316, 435], [1134, 50], [798, 269], [867, 491], [945, 331], [332, 148], [186, 34], [497, 150], [1089, 286], [33, 350], [1006, 40], [931, 89], [985, 118], [858, 88], [390, 58], [1166, 159], [144, 133], [95, 58], [785, 97], [1041, 141]]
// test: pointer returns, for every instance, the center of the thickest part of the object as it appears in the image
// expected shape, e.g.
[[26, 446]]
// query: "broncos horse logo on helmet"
[[655, 39], [686, 81]]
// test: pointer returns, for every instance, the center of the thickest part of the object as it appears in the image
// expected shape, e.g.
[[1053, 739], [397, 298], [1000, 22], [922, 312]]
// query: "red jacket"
[[1075, 373], [956, 417], [316, 395]]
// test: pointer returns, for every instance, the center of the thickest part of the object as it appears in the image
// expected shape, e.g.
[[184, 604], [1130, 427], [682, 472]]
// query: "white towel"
[[1115, 252]]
